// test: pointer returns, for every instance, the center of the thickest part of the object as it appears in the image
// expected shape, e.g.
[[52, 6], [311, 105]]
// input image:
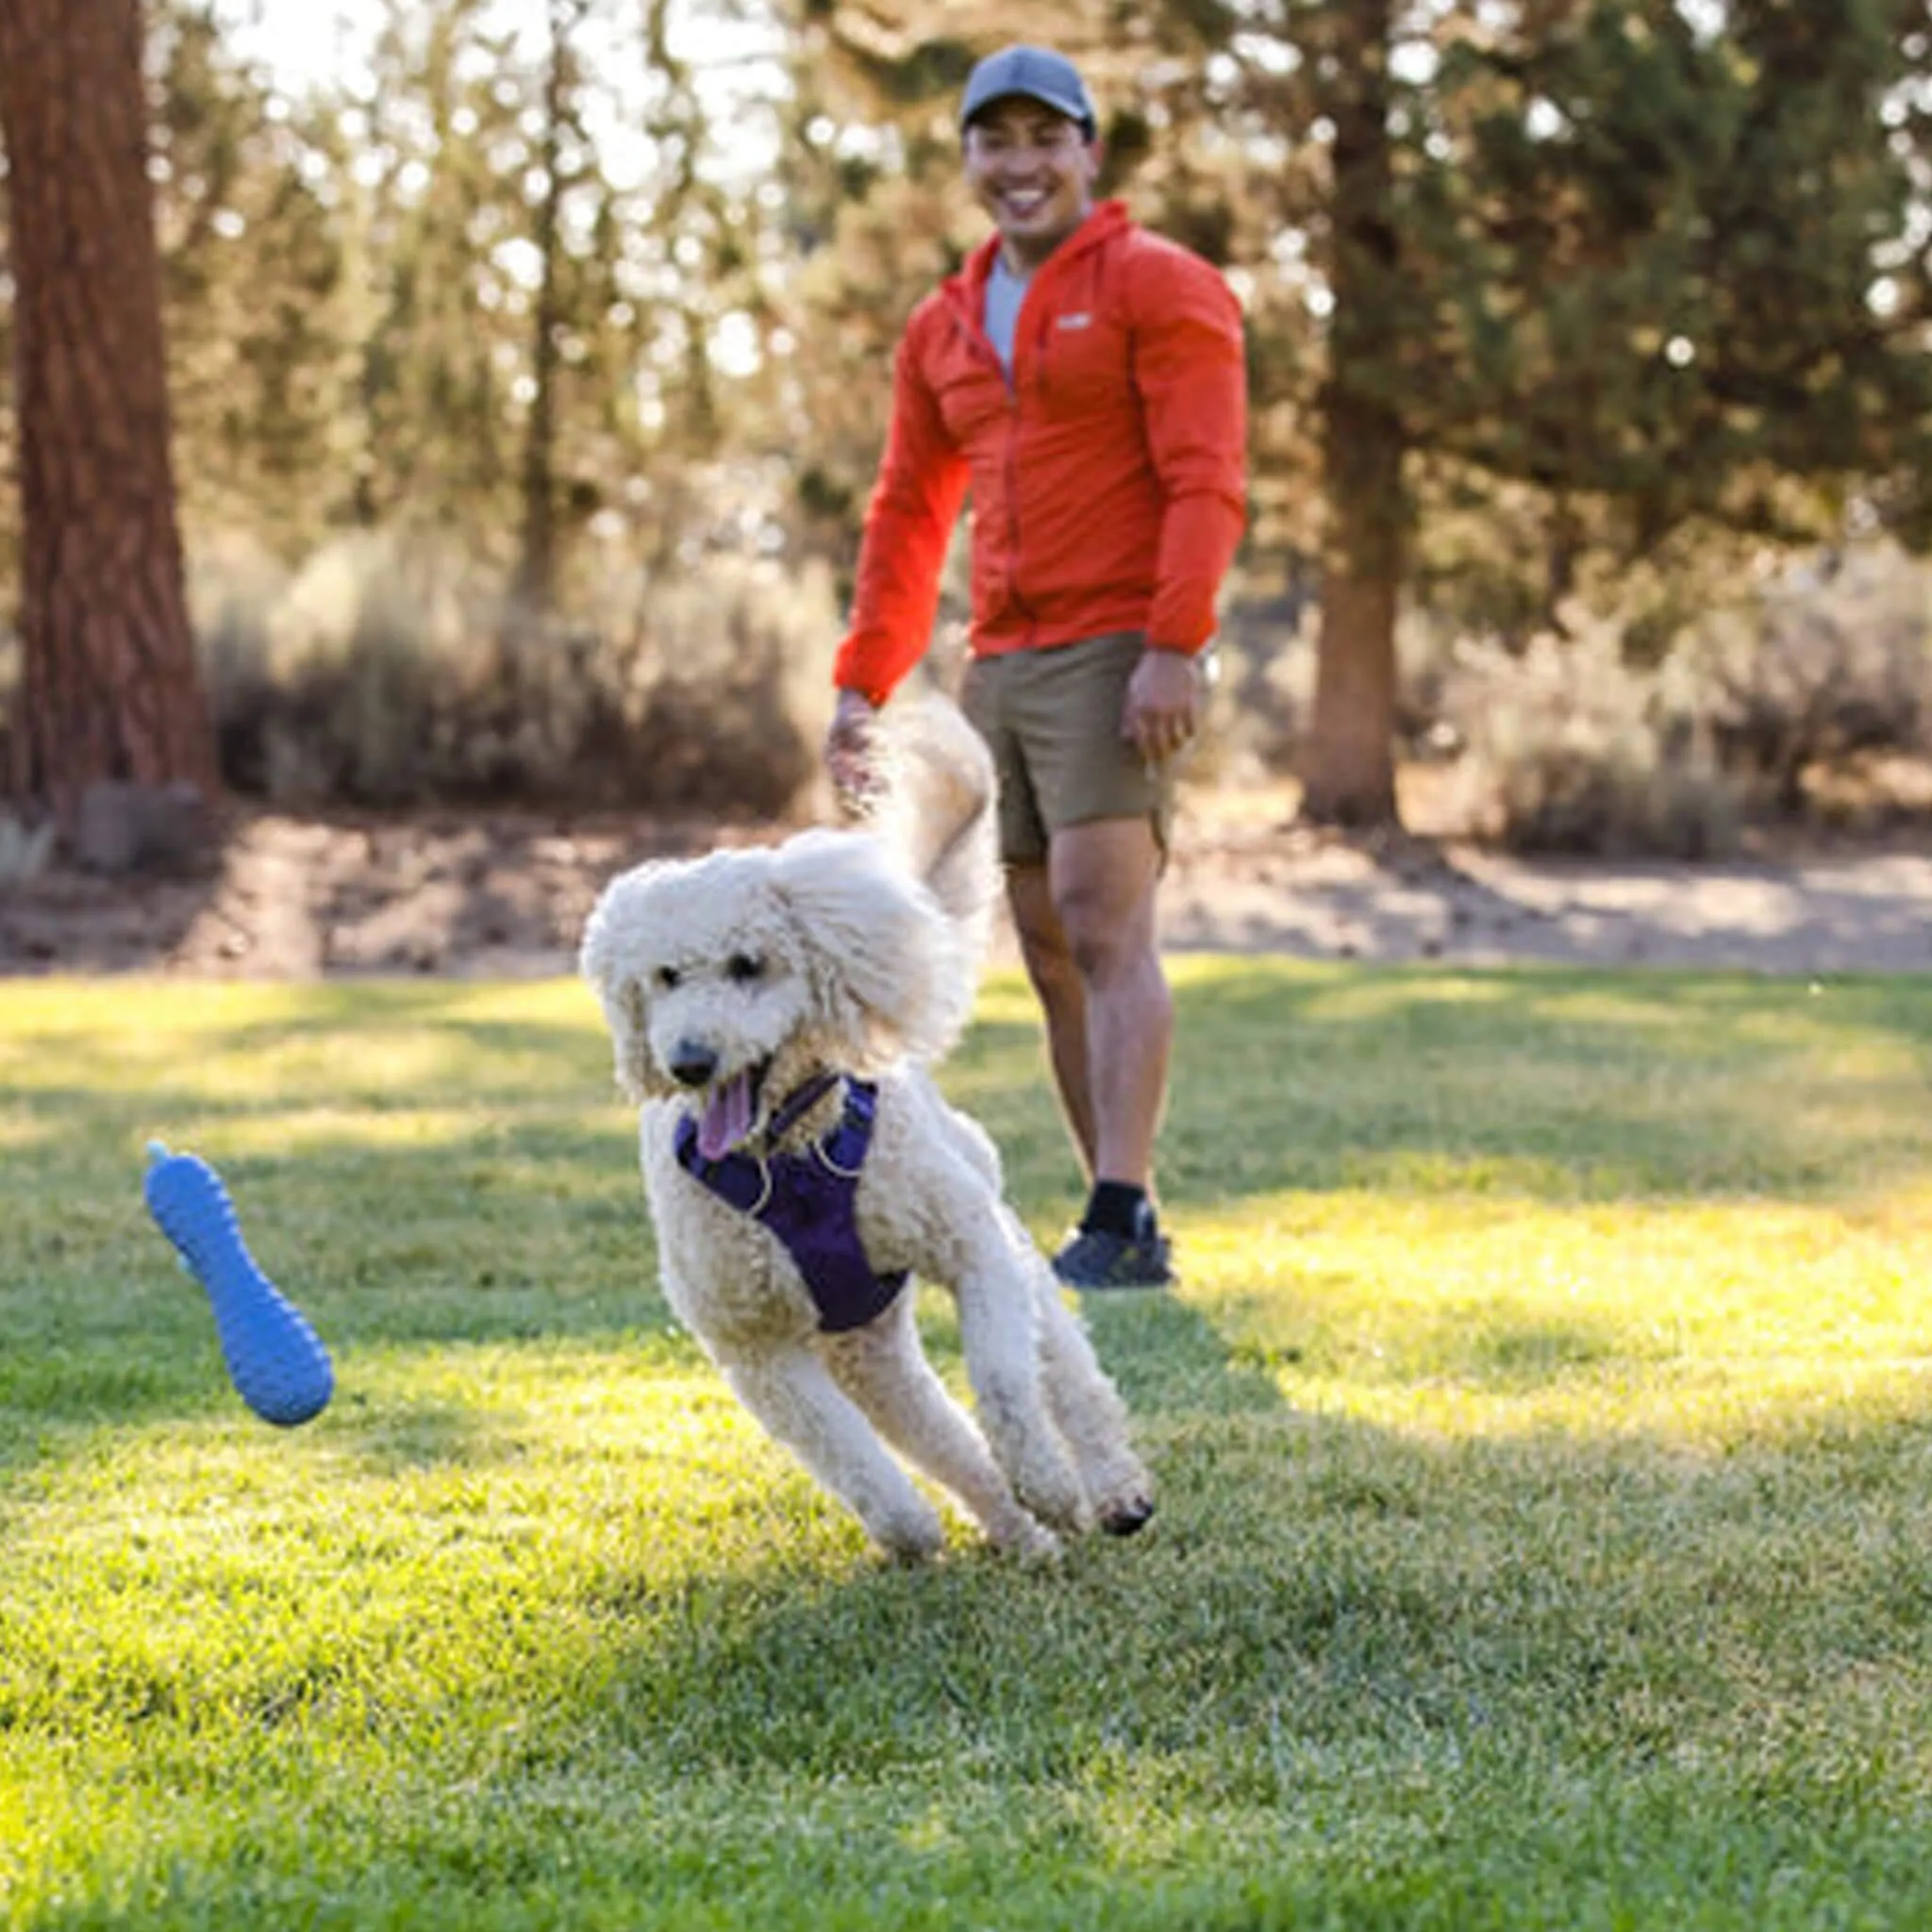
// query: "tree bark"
[[1348, 766], [536, 576], [109, 687]]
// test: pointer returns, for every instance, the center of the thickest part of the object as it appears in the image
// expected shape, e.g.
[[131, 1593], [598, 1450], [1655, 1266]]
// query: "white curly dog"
[[776, 1011]]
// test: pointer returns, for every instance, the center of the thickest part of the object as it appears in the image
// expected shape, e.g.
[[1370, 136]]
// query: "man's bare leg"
[[1062, 1000], [1102, 877], [1086, 922]]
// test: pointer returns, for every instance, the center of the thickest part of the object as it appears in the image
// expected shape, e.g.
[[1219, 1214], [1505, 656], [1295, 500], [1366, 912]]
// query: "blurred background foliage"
[[529, 368]]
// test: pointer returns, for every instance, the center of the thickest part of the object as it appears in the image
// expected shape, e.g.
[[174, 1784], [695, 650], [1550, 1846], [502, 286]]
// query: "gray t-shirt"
[[1004, 291]]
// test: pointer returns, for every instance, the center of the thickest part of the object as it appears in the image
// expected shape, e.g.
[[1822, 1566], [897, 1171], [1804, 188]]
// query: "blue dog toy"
[[275, 1360]]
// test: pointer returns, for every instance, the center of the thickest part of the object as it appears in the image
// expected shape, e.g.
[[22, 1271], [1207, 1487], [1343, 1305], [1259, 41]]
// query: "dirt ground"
[[496, 895]]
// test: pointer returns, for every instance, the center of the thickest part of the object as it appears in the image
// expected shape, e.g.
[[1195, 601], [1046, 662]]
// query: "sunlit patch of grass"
[[1542, 1425]]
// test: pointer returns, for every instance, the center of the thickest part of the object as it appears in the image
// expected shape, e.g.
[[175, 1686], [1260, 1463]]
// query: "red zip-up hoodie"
[[1109, 476]]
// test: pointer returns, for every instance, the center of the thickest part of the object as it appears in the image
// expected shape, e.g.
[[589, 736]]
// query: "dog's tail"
[[935, 802]]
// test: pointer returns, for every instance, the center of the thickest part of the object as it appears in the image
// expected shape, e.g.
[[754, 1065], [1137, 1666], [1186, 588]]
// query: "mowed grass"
[[1544, 1431]]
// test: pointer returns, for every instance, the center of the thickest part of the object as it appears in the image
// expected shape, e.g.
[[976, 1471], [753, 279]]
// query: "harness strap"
[[809, 1200]]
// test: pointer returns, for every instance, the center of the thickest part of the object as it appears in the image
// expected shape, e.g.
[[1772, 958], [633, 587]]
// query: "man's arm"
[[1190, 365], [909, 524]]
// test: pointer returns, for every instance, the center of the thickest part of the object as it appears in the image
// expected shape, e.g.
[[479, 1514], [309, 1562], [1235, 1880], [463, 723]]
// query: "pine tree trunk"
[[1348, 768], [109, 687], [536, 576], [1348, 773]]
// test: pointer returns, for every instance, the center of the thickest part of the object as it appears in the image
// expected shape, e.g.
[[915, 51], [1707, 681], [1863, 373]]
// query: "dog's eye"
[[744, 967], [664, 978]]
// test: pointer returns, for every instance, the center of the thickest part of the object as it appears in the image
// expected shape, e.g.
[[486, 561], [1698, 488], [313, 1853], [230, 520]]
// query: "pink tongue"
[[726, 1118]]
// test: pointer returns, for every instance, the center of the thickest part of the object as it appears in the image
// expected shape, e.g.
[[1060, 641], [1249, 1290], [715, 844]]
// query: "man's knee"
[[1106, 934], [1051, 970]]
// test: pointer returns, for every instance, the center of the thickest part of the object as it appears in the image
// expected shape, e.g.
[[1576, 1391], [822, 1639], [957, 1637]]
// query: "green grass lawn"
[[1545, 1430]]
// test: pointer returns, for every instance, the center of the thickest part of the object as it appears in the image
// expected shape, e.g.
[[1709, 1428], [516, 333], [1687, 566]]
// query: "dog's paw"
[[908, 1536], [1127, 1507], [1127, 1515], [1054, 1496], [1023, 1537]]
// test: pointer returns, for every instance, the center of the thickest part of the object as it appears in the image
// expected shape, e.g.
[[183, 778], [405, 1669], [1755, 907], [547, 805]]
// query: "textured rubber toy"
[[276, 1359]]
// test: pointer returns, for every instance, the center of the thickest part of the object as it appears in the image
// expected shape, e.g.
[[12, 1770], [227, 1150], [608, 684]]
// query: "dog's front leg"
[[884, 1370], [999, 1330], [1092, 1417], [791, 1391]]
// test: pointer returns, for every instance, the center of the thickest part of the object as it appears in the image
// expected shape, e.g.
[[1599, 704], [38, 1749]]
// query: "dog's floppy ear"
[[891, 974], [608, 960]]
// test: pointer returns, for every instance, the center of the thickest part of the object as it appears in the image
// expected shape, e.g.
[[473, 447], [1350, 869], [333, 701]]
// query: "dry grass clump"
[[385, 671], [1835, 675], [1804, 698], [394, 672], [1566, 748]]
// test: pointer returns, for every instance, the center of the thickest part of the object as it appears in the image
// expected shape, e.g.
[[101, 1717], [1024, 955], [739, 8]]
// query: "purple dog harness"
[[809, 1200]]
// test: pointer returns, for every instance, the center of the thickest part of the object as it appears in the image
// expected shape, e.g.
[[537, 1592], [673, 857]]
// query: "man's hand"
[[849, 747], [1163, 708]]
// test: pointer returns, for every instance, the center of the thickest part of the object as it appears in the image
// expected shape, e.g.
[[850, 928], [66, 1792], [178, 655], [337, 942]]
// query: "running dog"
[[777, 1012]]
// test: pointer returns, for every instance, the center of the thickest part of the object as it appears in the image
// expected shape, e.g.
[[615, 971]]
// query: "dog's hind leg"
[[885, 1371], [792, 1393]]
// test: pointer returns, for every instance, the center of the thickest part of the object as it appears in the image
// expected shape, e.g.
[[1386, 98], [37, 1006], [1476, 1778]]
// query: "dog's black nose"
[[693, 1064]]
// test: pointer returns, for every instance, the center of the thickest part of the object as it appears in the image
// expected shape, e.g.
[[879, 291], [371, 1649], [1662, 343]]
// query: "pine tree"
[[1348, 766], [109, 688], [1615, 251], [253, 292]]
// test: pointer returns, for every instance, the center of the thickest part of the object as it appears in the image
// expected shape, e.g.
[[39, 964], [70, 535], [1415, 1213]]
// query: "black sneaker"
[[1096, 1258]]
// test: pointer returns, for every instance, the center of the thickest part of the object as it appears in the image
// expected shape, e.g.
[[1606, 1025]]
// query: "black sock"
[[1114, 1207]]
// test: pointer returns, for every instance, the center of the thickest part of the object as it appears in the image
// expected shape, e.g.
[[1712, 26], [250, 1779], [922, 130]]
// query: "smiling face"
[[1033, 171]]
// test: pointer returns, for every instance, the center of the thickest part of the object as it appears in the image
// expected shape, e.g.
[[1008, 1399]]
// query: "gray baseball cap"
[[1037, 73]]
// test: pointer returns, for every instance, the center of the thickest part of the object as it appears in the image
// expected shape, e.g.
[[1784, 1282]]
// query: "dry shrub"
[[1803, 693], [730, 685], [1833, 667], [1769, 707], [1565, 748], [388, 672]]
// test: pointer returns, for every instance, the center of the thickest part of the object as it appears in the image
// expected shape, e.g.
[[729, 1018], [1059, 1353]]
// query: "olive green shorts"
[[1052, 718]]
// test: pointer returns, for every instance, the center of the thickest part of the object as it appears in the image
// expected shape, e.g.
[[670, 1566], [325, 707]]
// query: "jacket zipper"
[[975, 335], [1012, 470], [982, 348]]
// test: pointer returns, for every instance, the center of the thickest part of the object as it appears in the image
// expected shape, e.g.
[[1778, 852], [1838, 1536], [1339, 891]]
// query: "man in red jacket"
[[1084, 379]]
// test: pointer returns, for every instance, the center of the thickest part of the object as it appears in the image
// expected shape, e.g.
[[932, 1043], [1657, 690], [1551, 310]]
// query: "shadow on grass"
[[399, 1435], [1347, 1678], [1318, 1580], [1168, 1359], [1062, 1657], [1329, 1621], [1325, 1613]]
